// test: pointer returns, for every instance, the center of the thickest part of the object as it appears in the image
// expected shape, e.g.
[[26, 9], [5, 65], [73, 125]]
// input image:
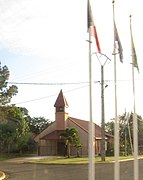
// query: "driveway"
[[17, 170]]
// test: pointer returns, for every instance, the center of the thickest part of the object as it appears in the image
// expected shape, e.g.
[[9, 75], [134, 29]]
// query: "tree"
[[71, 139], [38, 124], [14, 129], [6, 92], [7, 135], [126, 132], [109, 127]]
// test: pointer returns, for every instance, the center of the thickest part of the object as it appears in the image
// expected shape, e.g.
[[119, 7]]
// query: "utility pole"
[[103, 151], [102, 116]]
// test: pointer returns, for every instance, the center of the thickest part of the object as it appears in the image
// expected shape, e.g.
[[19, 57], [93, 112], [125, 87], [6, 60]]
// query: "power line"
[[50, 95], [51, 84], [67, 83]]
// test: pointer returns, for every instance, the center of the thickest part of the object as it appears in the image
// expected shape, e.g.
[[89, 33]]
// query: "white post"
[[135, 134], [135, 123], [91, 171], [116, 128]]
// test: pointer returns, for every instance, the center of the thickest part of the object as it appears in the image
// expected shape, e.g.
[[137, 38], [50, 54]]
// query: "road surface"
[[103, 171]]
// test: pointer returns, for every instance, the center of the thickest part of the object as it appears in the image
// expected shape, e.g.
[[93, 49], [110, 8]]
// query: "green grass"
[[74, 160], [63, 160], [7, 156]]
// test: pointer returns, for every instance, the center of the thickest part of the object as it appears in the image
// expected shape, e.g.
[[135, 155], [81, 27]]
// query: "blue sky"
[[45, 42]]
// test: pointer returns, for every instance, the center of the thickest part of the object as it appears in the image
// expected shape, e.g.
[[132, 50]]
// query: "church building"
[[50, 142]]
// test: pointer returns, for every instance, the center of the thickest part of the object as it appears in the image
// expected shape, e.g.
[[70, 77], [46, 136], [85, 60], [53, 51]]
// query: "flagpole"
[[91, 171], [135, 133], [91, 143], [116, 128], [135, 124]]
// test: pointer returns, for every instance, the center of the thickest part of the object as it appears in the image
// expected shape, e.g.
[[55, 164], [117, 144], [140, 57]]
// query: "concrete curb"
[[2, 175]]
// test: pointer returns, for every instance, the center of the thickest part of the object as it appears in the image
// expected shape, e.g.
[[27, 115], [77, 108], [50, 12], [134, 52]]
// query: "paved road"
[[23, 171]]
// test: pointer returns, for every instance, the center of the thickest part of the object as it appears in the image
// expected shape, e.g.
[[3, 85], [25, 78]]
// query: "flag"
[[134, 56], [91, 26], [117, 39]]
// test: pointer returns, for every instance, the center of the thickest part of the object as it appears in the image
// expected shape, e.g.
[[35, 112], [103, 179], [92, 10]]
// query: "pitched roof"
[[61, 101], [52, 133], [85, 126], [46, 131]]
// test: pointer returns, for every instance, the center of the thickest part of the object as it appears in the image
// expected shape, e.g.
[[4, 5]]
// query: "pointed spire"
[[61, 100]]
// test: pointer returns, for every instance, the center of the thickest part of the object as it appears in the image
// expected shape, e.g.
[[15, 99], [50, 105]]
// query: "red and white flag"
[[91, 26]]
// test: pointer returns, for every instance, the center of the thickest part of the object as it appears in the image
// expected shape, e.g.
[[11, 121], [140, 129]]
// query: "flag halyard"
[[91, 26]]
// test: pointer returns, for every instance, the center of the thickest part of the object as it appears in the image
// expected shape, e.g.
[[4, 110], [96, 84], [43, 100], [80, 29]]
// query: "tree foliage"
[[6, 92], [126, 132], [38, 124], [71, 139], [14, 129]]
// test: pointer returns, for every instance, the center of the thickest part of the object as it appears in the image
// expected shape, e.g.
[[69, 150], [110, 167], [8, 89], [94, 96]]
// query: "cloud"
[[38, 27], [21, 23]]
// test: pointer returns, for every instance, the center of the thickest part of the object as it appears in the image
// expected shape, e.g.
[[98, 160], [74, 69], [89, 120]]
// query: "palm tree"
[[71, 139]]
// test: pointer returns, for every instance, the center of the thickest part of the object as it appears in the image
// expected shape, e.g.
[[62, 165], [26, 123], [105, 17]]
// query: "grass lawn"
[[75, 160], [7, 156], [61, 160]]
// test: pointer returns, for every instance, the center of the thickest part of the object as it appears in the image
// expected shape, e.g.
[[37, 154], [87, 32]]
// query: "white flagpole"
[[135, 133], [116, 128], [135, 123], [91, 143], [91, 169]]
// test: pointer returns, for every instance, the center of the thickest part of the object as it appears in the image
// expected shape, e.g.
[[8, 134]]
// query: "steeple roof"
[[61, 100]]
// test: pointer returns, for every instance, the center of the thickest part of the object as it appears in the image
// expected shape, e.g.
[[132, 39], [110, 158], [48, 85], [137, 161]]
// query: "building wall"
[[83, 136], [61, 117], [48, 130], [97, 147], [47, 147]]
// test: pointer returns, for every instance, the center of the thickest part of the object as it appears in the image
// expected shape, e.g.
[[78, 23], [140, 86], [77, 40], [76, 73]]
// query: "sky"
[[44, 43]]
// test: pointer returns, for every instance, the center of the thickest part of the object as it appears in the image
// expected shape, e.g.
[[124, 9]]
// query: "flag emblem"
[[117, 39], [91, 26], [134, 56]]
